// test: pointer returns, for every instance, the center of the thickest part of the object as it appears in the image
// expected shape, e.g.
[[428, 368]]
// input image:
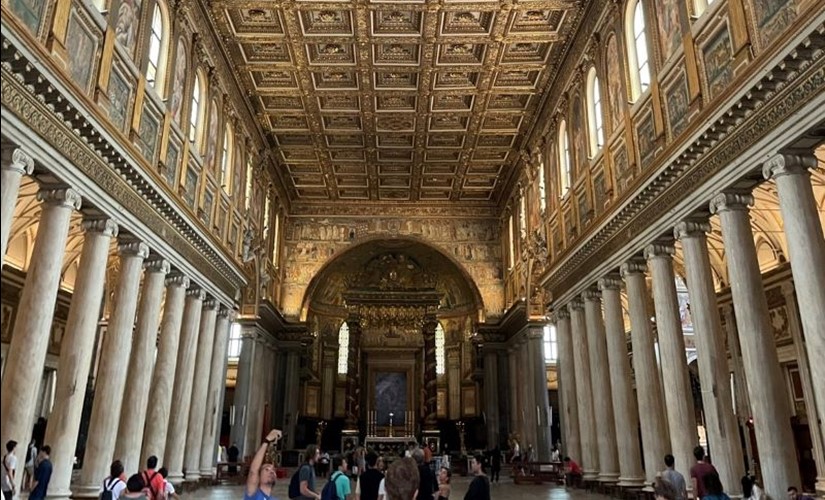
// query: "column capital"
[[729, 201], [788, 164], [100, 224], [60, 196], [576, 304], [210, 304], [130, 247], [610, 282], [20, 162], [634, 266], [691, 229], [177, 279], [788, 289], [561, 313], [655, 250], [533, 334], [591, 295], [196, 292], [226, 312], [157, 265]]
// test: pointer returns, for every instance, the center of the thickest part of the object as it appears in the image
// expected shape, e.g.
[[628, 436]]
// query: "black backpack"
[[330, 491], [108, 486], [295, 482]]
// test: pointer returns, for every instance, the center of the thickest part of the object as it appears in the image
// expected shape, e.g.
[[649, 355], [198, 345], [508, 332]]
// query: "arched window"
[[275, 243], [542, 188], [226, 161], [594, 113], [248, 190], [565, 176], [439, 349], [195, 111], [637, 49], [511, 255], [158, 42], [343, 348], [551, 345]]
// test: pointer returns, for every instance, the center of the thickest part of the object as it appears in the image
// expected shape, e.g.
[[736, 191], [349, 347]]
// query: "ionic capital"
[[60, 196], [103, 225], [225, 312], [562, 313], [788, 164], [20, 162], [730, 201], [196, 292], [591, 295], [635, 266], [656, 250], [576, 304], [210, 304], [534, 334], [177, 279], [131, 247], [611, 282], [157, 265], [691, 229]]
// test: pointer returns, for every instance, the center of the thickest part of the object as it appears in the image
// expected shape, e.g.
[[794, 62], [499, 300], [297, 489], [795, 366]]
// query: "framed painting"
[[120, 93], [211, 137], [622, 171], [190, 186], [717, 54], [179, 81], [645, 137], [615, 84], [669, 20], [569, 226], [220, 220], [207, 204], [583, 204], [599, 192], [149, 132], [82, 42], [170, 171], [468, 397], [125, 18], [30, 13], [677, 103], [234, 231], [770, 18]]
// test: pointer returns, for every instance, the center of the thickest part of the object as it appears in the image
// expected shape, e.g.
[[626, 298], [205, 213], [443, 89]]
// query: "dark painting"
[[30, 12], [81, 45], [645, 137], [677, 105], [390, 396], [172, 159], [120, 97], [149, 134], [191, 187], [717, 57], [772, 17]]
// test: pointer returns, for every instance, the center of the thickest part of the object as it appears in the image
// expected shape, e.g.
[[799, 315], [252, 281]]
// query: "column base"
[[59, 495], [590, 475], [608, 477], [631, 482], [85, 491], [193, 476], [206, 473], [820, 486], [176, 478]]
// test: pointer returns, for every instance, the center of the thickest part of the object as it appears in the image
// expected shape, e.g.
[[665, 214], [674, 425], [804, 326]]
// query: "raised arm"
[[253, 479]]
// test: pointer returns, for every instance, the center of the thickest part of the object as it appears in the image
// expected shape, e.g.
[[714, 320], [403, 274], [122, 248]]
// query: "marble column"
[[766, 385], [15, 164], [722, 430], [491, 390], [742, 404], [293, 389], [528, 394], [625, 411], [200, 389], [600, 380], [584, 394], [182, 391], [567, 386], [163, 375], [141, 362], [681, 415], [789, 292], [655, 439], [242, 390], [806, 246], [516, 425], [26, 356], [111, 373], [217, 384], [541, 400], [76, 351]]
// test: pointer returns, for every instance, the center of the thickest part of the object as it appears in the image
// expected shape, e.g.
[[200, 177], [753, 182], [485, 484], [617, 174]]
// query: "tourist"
[[675, 478], [495, 464], [42, 474], [572, 472], [339, 477], [664, 490], [28, 470], [712, 487], [306, 475], [370, 480], [9, 469], [444, 476], [152, 479], [479, 488], [168, 488], [232, 454], [793, 494], [262, 475], [427, 483], [135, 488], [750, 488], [115, 482], [401, 482], [323, 464], [699, 471]]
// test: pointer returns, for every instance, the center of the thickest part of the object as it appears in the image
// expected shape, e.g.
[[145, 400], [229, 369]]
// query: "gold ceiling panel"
[[396, 100]]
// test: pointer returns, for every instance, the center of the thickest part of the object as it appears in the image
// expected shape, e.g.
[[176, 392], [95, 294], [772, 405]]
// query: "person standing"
[[28, 471], [306, 475], [42, 474], [427, 485], [699, 471], [713, 489], [673, 477], [116, 482], [9, 470], [343, 488], [480, 485], [402, 480], [444, 487], [370, 480], [262, 476], [232, 457], [495, 464]]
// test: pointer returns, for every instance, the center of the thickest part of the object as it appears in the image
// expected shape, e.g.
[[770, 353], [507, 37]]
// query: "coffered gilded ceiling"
[[398, 100]]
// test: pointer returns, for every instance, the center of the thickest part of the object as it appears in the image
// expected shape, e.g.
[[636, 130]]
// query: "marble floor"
[[505, 490]]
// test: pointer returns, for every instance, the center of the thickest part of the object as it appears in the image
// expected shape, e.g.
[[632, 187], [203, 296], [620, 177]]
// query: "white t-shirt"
[[10, 463], [382, 490], [168, 487], [117, 486]]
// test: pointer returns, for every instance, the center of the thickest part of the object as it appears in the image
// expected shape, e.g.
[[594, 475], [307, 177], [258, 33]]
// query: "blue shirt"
[[42, 475], [259, 495]]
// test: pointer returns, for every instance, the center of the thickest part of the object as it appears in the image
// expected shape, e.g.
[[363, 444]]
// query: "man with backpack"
[[302, 483], [153, 480], [262, 476], [338, 487], [113, 486]]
